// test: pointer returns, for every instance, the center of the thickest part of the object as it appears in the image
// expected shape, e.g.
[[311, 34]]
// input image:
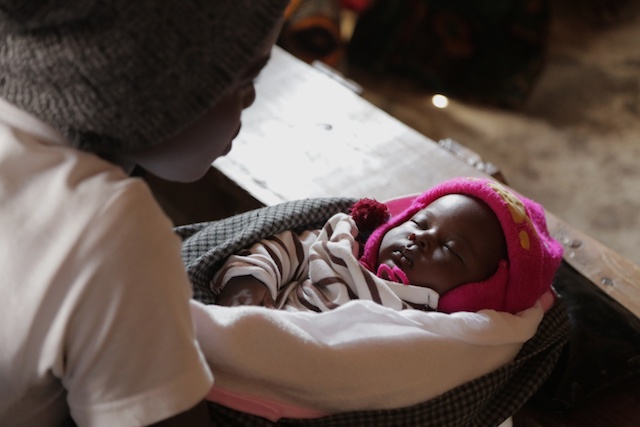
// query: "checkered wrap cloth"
[[485, 401]]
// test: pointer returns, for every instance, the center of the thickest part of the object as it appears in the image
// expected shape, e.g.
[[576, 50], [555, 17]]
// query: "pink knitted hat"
[[533, 255]]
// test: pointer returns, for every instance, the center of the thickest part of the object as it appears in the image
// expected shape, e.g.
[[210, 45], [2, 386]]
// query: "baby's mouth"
[[402, 259]]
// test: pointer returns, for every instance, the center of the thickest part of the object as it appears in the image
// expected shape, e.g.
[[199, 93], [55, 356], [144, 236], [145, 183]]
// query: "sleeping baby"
[[467, 266]]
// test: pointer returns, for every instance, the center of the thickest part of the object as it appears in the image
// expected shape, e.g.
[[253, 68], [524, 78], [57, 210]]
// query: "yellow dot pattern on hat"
[[524, 239], [514, 204], [518, 214]]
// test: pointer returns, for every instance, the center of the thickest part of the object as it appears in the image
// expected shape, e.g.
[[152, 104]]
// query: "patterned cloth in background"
[[312, 31], [485, 51]]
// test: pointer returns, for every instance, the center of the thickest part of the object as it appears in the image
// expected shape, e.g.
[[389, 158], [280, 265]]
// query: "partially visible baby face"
[[457, 239]]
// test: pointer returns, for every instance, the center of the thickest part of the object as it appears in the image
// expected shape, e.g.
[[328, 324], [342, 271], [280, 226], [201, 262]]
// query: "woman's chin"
[[227, 149]]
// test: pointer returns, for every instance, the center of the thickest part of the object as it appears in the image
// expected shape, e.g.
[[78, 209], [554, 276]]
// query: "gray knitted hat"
[[116, 74]]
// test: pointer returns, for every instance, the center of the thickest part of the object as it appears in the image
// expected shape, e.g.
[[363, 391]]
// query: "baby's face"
[[456, 239]]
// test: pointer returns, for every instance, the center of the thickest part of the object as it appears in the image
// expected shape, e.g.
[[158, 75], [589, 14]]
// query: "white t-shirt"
[[95, 317]]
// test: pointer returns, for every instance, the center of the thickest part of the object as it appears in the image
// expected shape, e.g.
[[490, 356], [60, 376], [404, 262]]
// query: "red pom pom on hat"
[[369, 214]]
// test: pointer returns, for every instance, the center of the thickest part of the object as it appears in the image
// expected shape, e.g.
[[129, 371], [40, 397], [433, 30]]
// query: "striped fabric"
[[207, 245], [319, 270]]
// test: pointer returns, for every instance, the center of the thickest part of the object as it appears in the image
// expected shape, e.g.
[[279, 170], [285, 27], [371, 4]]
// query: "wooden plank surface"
[[614, 274], [309, 136]]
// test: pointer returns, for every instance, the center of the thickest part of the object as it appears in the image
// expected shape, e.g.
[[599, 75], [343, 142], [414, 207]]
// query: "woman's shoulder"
[[69, 195], [40, 173]]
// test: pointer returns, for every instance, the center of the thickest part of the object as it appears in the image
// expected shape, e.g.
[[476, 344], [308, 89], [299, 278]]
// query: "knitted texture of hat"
[[533, 255], [119, 74]]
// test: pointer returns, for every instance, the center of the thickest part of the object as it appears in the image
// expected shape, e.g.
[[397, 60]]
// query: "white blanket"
[[359, 356]]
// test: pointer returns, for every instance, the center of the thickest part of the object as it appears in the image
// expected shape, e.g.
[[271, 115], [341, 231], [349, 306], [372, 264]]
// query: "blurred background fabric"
[[488, 51]]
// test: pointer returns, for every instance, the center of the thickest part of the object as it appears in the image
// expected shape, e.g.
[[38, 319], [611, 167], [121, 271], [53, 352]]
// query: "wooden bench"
[[310, 135]]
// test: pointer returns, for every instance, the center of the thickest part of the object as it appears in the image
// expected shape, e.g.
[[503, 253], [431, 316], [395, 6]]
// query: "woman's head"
[[186, 156], [119, 75], [520, 276]]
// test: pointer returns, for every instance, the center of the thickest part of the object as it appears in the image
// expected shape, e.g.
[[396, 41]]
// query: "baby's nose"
[[421, 238]]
